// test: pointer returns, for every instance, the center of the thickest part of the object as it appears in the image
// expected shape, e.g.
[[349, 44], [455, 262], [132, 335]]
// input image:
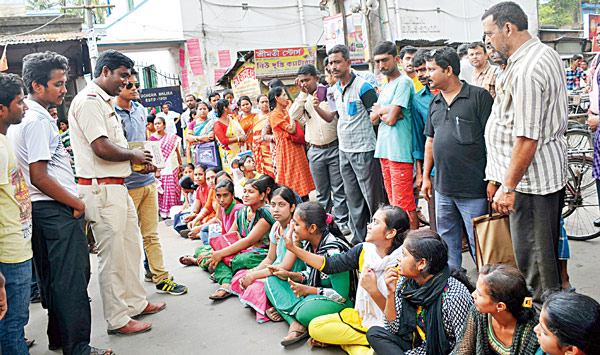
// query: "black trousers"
[[384, 342], [535, 229], [62, 268]]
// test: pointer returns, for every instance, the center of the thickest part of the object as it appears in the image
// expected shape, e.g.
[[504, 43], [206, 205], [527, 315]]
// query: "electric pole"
[[89, 16]]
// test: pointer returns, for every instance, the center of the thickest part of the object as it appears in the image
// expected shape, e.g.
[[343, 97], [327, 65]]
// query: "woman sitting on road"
[[249, 284], [299, 297], [347, 328], [425, 308], [252, 225], [569, 325], [502, 319]]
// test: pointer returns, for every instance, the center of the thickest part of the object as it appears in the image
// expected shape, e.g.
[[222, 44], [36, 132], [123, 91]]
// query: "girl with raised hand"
[[249, 284], [425, 307], [299, 297], [502, 319], [569, 325], [252, 226], [347, 328]]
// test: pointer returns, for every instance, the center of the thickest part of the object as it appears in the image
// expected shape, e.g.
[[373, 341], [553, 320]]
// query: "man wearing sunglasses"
[[142, 188]]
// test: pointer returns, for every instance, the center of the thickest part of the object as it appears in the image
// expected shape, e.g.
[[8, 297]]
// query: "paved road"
[[192, 324]]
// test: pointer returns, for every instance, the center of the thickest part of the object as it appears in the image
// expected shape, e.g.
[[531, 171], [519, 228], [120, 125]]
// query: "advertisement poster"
[[283, 61], [334, 30], [592, 31], [244, 82], [354, 23]]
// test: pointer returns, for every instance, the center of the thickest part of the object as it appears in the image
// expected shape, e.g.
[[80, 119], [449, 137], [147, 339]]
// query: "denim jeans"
[[12, 326], [450, 213]]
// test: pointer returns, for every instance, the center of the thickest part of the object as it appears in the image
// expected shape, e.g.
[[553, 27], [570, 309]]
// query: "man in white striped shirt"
[[526, 144]]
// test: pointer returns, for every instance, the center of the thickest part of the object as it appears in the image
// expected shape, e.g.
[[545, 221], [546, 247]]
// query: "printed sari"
[[229, 150], [261, 150], [201, 128], [169, 191]]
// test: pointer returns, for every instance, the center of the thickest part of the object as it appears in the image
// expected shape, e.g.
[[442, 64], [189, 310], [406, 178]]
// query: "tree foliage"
[[558, 12], [99, 14]]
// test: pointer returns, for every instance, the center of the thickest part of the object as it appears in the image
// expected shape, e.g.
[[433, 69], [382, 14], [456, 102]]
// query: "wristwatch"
[[507, 190]]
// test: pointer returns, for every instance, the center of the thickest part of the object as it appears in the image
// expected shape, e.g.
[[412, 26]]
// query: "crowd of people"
[[237, 178]]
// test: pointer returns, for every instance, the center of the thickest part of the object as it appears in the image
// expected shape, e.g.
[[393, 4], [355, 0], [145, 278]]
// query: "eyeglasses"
[[130, 85]]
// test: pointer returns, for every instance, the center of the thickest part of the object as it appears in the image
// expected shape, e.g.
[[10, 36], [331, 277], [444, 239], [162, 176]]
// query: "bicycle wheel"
[[578, 138], [581, 200]]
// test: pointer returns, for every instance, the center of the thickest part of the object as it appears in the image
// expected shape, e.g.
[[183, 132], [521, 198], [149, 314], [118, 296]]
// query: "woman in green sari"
[[252, 225], [301, 296]]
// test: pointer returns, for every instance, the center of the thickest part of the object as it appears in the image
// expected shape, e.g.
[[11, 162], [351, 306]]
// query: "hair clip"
[[528, 302], [329, 218]]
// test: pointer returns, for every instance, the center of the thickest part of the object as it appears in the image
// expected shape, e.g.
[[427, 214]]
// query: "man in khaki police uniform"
[[102, 162]]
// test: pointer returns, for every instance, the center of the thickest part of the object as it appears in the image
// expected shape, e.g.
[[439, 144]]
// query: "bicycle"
[[581, 200]]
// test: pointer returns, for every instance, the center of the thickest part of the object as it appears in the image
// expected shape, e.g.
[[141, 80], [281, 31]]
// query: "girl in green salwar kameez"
[[301, 296]]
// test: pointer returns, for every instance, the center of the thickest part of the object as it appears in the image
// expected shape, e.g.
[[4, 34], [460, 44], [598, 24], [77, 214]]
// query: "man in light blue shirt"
[[394, 148], [142, 189]]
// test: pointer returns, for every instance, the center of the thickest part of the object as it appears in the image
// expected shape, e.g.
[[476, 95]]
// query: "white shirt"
[[37, 139], [170, 119]]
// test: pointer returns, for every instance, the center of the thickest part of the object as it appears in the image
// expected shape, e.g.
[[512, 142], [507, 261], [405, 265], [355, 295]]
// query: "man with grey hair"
[[526, 144]]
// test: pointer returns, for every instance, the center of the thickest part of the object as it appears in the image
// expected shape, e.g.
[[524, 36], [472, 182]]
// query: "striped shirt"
[[531, 102], [355, 131], [485, 79]]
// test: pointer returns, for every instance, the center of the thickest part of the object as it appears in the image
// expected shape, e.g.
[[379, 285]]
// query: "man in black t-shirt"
[[454, 129]]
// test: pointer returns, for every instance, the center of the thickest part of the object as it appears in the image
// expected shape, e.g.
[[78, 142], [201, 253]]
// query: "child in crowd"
[[203, 208], [248, 168], [251, 228], [299, 297], [201, 229], [186, 184], [238, 175], [202, 188], [249, 284]]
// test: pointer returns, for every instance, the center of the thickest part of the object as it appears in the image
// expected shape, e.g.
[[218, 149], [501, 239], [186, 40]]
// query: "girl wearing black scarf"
[[426, 307]]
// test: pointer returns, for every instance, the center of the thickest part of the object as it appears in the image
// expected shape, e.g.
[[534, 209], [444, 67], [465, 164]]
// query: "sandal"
[[188, 260], [212, 277], [273, 315], [218, 298], [96, 351], [289, 341]]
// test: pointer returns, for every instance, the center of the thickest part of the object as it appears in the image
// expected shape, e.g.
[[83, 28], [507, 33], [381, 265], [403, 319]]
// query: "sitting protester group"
[[394, 293]]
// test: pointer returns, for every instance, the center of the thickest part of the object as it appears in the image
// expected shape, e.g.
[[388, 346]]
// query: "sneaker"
[[168, 286], [148, 276]]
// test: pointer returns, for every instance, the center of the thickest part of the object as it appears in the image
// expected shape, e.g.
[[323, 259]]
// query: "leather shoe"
[[597, 223], [132, 327], [152, 308]]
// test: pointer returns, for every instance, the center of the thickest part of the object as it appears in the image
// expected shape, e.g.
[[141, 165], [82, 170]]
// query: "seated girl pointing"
[[302, 296], [347, 328]]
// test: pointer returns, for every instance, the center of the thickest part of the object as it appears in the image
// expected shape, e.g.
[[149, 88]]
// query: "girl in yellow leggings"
[[348, 327]]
